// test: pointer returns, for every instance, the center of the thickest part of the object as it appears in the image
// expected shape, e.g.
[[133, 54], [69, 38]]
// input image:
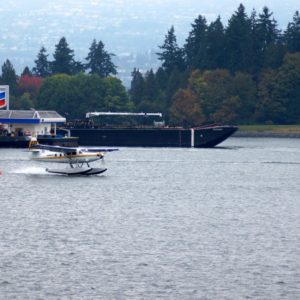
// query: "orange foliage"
[[186, 110]]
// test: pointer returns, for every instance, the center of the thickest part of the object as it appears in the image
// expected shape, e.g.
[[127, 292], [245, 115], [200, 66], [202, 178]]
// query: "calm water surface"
[[219, 223]]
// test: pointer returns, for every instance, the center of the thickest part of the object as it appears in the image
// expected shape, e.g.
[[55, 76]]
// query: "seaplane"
[[78, 158]]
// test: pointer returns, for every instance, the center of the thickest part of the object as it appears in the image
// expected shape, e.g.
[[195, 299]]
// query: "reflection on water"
[[219, 223]]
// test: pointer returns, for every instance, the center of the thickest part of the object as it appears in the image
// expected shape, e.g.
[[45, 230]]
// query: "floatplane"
[[78, 158]]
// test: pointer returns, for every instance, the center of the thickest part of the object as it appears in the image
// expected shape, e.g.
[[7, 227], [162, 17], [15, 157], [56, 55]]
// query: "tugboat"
[[125, 129]]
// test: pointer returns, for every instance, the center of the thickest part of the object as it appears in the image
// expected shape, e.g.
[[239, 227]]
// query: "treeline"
[[245, 72], [68, 86]]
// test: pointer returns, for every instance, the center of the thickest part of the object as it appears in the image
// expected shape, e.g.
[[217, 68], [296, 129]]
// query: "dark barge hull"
[[203, 137], [23, 142]]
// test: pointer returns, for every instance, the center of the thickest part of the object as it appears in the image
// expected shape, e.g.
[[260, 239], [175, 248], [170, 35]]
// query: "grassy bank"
[[281, 129]]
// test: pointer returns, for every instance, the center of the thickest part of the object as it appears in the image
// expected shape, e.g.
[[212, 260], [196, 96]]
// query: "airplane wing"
[[54, 148], [93, 149], [72, 149]]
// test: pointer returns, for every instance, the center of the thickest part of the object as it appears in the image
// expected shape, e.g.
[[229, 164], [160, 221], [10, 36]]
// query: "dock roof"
[[30, 117]]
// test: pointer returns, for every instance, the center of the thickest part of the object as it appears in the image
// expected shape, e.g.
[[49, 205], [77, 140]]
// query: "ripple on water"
[[160, 224]]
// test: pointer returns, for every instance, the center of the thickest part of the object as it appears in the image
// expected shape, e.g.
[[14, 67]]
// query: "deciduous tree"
[[186, 110]]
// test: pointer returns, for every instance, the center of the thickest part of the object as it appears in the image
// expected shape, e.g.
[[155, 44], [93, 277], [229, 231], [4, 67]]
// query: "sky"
[[125, 27]]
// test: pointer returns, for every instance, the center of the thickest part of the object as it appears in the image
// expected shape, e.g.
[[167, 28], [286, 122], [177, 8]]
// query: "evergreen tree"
[[239, 52], [267, 36], [215, 45], [292, 34], [99, 61], [78, 67], [171, 55], [161, 78], [174, 83], [137, 88], [151, 88], [26, 71], [42, 65], [196, 45], [9, 76], [63, 58]]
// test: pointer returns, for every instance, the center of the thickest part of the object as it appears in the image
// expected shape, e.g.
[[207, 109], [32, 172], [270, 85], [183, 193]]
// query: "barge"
[[152, 132]]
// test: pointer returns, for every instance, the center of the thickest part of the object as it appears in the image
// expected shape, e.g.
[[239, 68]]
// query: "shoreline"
[[268, 131], [266, 134]]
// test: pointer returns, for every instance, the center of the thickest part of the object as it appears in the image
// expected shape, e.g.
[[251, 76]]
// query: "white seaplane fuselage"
[[73, 157]]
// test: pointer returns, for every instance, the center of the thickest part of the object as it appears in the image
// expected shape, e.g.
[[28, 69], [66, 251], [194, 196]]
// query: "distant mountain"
[[131, 29]]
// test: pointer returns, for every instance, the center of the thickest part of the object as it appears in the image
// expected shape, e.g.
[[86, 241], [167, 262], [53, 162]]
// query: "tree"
[[211, 88], [137, 88], [30, 84], [42, 65], [215, 45], [174, 83], [267, 110], [26, 71], [76, 95], [151, 87], [293, 34], [9, 76], [267, 37], [186, 110], [279, 92], [150, 100], [116, 97], [243, 98], [24, 102], [238, 42], [196, 45], [171, 55], [224, 97], [63, 58], [99, 61]]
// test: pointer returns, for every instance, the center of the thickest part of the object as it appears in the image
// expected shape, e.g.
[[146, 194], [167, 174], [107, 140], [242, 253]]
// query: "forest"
[[247, 72]]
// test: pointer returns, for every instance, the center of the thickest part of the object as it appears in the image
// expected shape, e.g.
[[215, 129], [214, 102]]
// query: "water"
[[219, 223]]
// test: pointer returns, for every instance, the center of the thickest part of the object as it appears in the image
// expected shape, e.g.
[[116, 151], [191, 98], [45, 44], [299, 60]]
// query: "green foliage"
[[137, 89], [237, 73], [99, 61], [42, 65], [280, 93], [215, 45], [245, 72], [224, 97], [171, 55], [9, 76], [293, 34], [64, 62], [238, 41], [24, 102], [197, 45], [74, 96]]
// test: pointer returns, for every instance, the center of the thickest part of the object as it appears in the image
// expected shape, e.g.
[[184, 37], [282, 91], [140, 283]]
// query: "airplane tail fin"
[[33, 141]]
